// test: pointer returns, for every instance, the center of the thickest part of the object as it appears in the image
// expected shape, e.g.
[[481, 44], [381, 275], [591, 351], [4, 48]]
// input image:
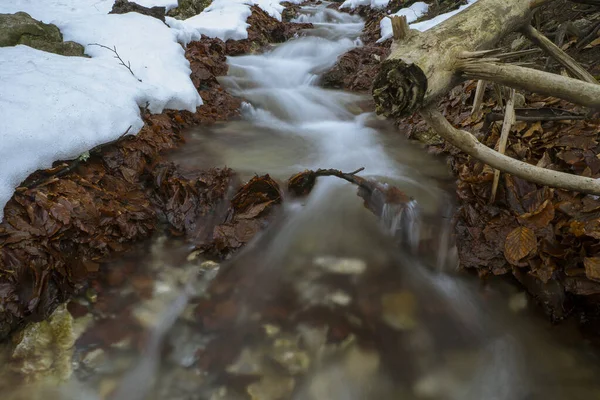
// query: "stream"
[[330, 302]]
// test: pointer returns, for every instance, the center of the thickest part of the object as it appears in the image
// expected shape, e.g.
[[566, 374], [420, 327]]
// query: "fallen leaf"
[[520, 242], [592, 267]]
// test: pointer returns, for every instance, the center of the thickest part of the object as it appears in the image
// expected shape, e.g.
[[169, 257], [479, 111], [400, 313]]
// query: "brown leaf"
[[535, 128], [592, 268], [540, 218], [520, 242]]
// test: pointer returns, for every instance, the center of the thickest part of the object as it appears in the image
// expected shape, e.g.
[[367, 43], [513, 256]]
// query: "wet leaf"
[[520, 242]]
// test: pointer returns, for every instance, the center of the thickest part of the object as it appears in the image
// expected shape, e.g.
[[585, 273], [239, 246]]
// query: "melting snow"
[[352, 4], [414, 12], [54, 107]]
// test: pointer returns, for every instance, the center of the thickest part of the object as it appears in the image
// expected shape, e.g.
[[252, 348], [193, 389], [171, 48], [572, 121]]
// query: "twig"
[[479, 93], [589, 37], [118, 57], [559, 55], [375, 194], [68, 167], [534, 115], [509, 120]]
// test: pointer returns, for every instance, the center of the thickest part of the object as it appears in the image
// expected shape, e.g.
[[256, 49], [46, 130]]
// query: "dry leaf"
[[520, 242], [592, 267], [594, 43], [535, 128]]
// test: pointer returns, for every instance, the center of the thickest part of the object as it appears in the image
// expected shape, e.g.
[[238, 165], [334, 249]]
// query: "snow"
[[224, 19], [168, 4], [57, 108], [414, 12], [352, 4]]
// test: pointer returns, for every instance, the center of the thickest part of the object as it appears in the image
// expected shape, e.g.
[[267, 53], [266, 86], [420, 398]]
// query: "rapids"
[[374, 306]]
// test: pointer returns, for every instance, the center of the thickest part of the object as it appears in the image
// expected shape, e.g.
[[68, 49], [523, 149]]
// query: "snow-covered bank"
[[54, 107], [414, 12]]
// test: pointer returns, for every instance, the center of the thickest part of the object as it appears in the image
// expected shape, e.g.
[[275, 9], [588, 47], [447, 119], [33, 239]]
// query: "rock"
[[44, 349], [124, 7], [21, 28], [188, 8]]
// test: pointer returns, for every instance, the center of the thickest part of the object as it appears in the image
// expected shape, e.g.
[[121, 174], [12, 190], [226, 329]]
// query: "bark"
[[469, 144], [421, 66], [555, 52], [573, 90]]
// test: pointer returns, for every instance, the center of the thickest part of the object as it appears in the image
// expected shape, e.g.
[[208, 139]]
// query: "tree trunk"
[[420, 68]]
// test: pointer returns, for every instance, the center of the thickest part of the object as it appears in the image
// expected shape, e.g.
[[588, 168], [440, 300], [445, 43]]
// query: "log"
[[570, 89], [470, 145], [421, 66]]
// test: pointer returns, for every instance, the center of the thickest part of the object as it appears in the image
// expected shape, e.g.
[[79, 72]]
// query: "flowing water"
[[332, 301]]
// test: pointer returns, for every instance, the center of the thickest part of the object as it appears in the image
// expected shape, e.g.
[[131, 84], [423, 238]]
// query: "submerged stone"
[[45, 349]]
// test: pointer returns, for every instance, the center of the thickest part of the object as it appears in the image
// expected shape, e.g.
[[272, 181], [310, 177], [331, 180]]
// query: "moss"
[[188, 8], [21, 28]]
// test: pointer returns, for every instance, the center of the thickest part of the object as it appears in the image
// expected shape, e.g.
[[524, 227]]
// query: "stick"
[[118, 57], [534, 115], [479, 93], [469, 144], [509, 120], [555, 52], [573, 90]]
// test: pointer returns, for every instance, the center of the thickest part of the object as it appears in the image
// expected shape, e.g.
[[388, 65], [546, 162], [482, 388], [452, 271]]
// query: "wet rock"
[[272, 388], [125, 6], [44, 349], [399, 310], [188, 8], [21, 28]]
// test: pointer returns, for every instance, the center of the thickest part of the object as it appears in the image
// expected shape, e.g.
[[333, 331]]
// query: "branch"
[[118, 57], [555, 52], [534, 115], [467, 143], [479, 94], [375, 194], [573, 90]]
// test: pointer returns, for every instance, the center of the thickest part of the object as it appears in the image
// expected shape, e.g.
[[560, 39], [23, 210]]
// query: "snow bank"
[[54, 107], [225, 19], [412, 13], [352, 4]]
